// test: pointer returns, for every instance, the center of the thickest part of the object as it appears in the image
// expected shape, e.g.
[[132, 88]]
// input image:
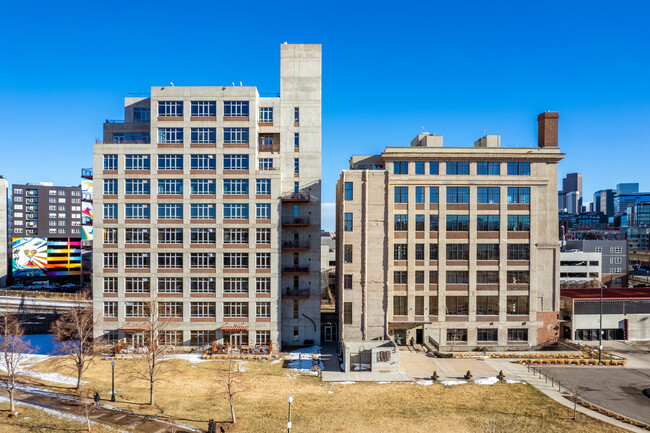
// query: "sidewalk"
[[141, 423]]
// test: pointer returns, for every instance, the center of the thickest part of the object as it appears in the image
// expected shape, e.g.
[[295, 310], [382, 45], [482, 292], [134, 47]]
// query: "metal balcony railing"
[[295, 293], [295, 245], [295, 221], [296, 269], [296, 197]]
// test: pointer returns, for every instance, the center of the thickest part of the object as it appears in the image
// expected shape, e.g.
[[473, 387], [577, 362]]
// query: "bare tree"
[[155, 354], [576, 389], [74, 332], [232, 382], [14, 352]]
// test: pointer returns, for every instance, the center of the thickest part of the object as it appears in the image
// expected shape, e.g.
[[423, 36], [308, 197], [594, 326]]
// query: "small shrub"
[[501, 376], [468, 375], [443, 355], [480, 349], [434, 376]]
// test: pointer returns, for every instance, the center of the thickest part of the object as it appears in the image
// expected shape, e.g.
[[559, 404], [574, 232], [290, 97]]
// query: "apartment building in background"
[[208, 199], [614, 260], [452, 247], [46, 233], [4, 227]]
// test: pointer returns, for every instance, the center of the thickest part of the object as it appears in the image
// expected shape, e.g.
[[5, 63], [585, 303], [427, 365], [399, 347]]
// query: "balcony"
[[295, 221], [295, 269], [269, 147], [295, 246], [295, 197], [87, 173], [295, 293]]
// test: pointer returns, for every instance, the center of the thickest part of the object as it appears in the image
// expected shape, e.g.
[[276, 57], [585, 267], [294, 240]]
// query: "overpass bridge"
[[37, 310]]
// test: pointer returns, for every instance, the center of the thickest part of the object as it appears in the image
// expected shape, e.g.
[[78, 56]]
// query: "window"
[[235, 108], [618, 250], [457, 251], [266, 115], [296, 114], [296, 140], [202, 338], [518, 252], [457, 223], [419, 223], [419, 167], [204, 108], [401, 194], [110, 309], [203, 236], [433, 167], [419, 194], [263, 260], [203, 162], [433, 251], [400, 277], [203, 309], [347, 282], [348, 190], [170, 162], [419, 305], [263, 309], [296, 165], [203, 261], [487, 223], [518, 223], [137, 285], [137, 186], [433, 223], [110, 284], [202, 211], [487, 335], [203, 285], [170, 285], [170, 108], [457, 277], [235, 260], [203, 135], [487, 277], [347, 222], [263, 186], [137, 162], [401, 223], [347, 313], [401, 167], [170, 135], [235, 211], [433, 305], [518, 277], [262, 285], [457, 305], [170, 186], [347, 253], [400, 252], [137, 260], [263, 211], [235, 162], [235, 309], [263, 236], [141, 114], [487, 194], [457, 167], [433, 194], [488, 168], [419, 251], [136, 211], [517, 335], [110, 163], [202, 186], [262, 338], [110, 211], [266, 163], [235, 186], [400, 305], [110, 236], [457, 194], [170, 260], [110, 186], [519, 195], [235, 236], [487, 305], [235, 135], [235, 285], [136, 236], [419, 277], [519, 168], [170, 236], [517, 305], [487, 252]]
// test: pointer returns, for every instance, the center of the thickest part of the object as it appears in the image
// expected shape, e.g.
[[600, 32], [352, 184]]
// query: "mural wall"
[[39, 257]]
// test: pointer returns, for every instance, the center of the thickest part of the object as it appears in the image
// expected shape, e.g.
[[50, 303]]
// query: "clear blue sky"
[[458, 68]]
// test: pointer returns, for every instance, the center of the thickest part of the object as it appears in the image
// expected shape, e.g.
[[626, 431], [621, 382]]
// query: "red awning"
[[235, 328]]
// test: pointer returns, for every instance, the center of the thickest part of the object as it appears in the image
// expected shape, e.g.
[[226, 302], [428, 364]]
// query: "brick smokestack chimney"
[[547, 129]]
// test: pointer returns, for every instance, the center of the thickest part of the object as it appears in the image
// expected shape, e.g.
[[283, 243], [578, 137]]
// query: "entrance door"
[[329, 333], [419, 339], [138, 339]]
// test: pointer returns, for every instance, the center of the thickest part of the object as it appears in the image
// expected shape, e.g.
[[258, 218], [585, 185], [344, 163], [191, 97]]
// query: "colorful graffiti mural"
[[29, 257]]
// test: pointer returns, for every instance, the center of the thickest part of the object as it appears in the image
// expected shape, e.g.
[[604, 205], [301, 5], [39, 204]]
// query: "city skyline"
[[455, 78]]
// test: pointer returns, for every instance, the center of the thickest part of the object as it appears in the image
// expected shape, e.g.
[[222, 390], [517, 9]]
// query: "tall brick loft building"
[[452, 246], [208, 198]]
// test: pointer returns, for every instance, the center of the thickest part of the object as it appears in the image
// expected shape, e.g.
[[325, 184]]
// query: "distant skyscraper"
[[627, 188], [604, 202], [572, 183]]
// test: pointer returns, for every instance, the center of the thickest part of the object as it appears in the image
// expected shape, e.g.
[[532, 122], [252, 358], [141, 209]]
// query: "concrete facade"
[[614, 258], [4, 229], [414, 271], [580, 267], [248, 190]]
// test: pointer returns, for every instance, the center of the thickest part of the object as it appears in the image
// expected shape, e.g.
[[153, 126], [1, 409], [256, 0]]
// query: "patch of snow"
[[330, 392], [302, 360], [190, 357], [425, 382], [31, 359], [277, 361], [513, 381], [487, 381], [453, 382], [345, 382], [383, 383]]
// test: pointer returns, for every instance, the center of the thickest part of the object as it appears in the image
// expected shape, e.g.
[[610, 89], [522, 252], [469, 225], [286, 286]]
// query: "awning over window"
[[134, 328], [230, 328]]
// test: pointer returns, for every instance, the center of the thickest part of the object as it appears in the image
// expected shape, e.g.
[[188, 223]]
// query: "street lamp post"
[[290, 399], [600, 331], [113, 381]]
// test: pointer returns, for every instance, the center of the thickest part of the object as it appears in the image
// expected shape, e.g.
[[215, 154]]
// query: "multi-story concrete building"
[[613, 260], [455, 246], [46, 233], [208, 198], [577, 267], [4, 227]]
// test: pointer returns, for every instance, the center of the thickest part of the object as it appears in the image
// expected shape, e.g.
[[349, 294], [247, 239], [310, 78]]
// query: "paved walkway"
[[135, 422]]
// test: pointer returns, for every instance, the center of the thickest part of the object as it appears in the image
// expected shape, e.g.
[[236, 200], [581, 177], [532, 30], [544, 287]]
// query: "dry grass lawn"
[[36, 421], [190, 394]]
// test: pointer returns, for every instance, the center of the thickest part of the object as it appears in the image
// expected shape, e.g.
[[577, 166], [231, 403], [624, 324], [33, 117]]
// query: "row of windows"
[[209, 109], [461, 251], [197, 236], [175, 162], [34, 192], [457, 223], [459, 305], [459, 194], [453, 277], [197, 309], [236, 211], [51, 231], [197, 337], [197, 186], [487, 335], [490, 168], [197, 260], [197, 285]]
